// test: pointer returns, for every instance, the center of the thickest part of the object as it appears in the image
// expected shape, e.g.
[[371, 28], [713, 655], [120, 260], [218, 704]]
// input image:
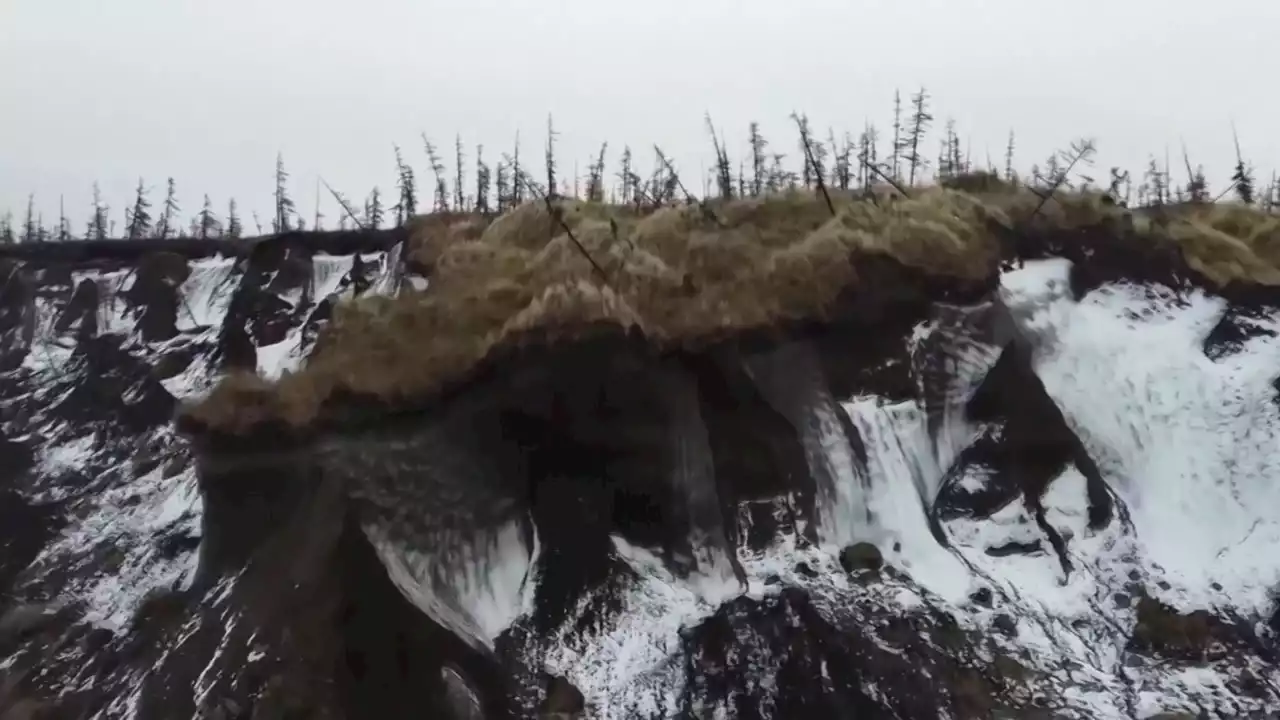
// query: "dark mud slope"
[[1049, 494]]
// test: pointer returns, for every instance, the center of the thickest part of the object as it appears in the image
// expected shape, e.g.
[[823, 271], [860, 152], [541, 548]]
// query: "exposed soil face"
[[291, 613], [106, 381], [582, 432], [17, 317], [154, 294], [579, 430]]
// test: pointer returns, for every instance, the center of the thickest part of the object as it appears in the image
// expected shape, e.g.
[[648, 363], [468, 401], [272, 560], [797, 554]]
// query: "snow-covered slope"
[[102, 511]]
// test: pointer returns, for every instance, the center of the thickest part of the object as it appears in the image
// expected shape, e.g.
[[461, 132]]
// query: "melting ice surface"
[[1191, 444], [477, 588], [206, 292], [328, 272], [1188, 444]]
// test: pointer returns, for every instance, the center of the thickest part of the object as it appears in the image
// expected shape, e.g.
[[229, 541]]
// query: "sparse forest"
[[838, 160]]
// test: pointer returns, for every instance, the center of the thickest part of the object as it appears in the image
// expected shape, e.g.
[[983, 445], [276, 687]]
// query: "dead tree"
[[459, 182], [595, 177], [723, 172], [758, 170], [517, 187], [234, 229], [164, 227], [139, 221], [482, 182], [1197, 186], [437, 169], [1009, 175], [841, 175], [284, 203], [1242, 178], [627, 175], [373, 210], [502, 186], [1081, 151], [407, 206], [807, 170], [551, 159], [64, 225], [30, 227], [896, 158], [812, 161], [349, 212], [319, 216], [867, 156], [206, 221], [918, 126]]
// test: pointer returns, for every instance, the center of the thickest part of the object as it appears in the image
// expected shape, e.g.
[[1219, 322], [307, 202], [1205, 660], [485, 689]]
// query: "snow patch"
[[629, 668], [1190, 444], [116, 537], [477, 591], [905, 472], [206, 293]]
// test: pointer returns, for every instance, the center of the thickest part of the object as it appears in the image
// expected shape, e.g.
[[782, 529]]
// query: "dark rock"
[[563, 701], [21, 620], [861, 556], [27, 527], [1164, 631], [154, 294], [981, 596], [1005, 624], [17, 315], [174, 362], [110, 385], [96, 639], [174, 467], [1036, 443], [1238, 325], [27, 709], [81, 312], [1015, 547]]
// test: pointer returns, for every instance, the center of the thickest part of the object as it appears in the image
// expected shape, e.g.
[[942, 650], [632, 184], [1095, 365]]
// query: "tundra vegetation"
[[774, 236]]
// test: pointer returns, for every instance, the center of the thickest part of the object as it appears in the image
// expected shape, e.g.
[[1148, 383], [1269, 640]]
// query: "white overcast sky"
[[208, 91]]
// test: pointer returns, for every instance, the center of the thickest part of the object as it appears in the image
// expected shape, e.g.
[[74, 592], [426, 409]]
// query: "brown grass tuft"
[[681, 276], [430, 235], [1229, 242]]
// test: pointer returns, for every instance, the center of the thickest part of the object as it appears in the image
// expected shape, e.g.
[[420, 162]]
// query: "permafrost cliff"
[[1053, 494]]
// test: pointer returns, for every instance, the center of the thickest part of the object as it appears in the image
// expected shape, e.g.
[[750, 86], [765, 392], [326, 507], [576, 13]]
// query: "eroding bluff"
[[1048, 495]]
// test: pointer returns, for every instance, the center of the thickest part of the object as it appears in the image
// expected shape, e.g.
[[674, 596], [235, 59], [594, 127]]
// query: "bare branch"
[[818, 171], [558, 215], [346, 206]]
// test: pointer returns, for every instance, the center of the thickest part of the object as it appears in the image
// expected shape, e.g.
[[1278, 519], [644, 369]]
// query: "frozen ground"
[[131, 508], [1188, 443]]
